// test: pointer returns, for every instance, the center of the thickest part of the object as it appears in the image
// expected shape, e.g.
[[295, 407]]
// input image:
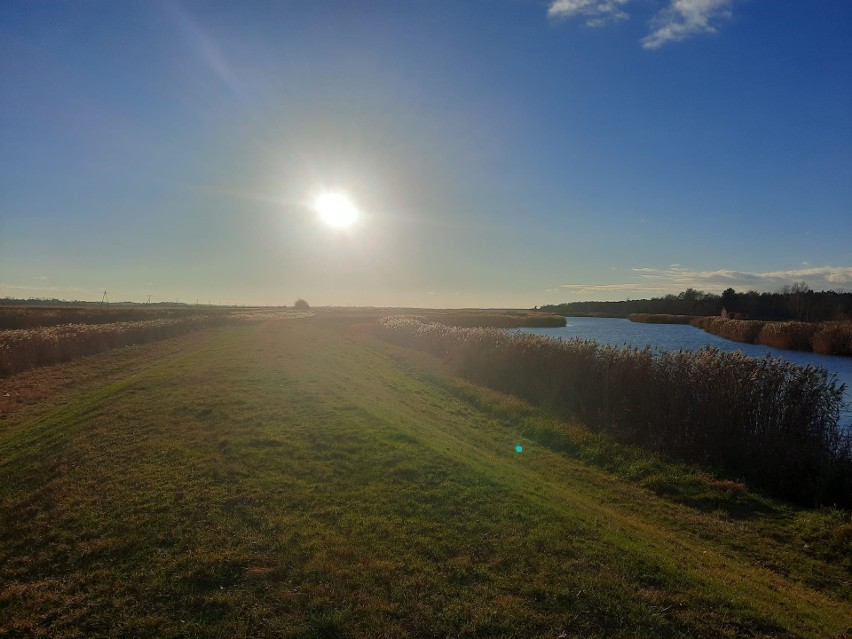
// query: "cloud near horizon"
[[680, 20], [676, 278], [819, 277], [591, 288], [38, 290]]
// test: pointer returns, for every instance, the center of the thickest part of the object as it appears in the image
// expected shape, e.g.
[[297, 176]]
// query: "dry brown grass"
[[28, 348], [833, 338], [745, 331], [827, 338], [795, 336], [731, 488], [20, 317]]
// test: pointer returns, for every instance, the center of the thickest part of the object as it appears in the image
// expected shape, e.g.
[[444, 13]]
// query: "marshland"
[[345, 472]]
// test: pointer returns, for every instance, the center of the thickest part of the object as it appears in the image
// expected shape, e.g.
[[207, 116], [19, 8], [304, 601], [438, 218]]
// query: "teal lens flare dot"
[[519, 448]]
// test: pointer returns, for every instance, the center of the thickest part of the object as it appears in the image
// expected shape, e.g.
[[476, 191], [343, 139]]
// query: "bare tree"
[[799, 300]]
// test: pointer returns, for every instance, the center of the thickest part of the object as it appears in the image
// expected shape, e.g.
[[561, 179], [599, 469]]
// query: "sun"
[[336, 210]]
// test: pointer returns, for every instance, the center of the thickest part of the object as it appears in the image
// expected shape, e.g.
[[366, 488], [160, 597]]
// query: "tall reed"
[[769, 421], [23, 349], [745, 331], [796, 336], [833, 338], [18, 317]]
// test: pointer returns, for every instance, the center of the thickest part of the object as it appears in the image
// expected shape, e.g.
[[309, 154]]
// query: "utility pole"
[[104, 300]]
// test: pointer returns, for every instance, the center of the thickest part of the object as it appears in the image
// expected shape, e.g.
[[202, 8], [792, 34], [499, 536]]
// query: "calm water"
[[672, 337]]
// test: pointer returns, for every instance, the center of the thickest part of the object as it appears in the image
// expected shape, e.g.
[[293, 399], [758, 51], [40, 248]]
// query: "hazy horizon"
[[501, 155]]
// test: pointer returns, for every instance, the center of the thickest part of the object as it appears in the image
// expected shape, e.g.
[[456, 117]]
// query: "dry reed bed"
[[20, 317], [826, 338], [24, 349], [768, 421]]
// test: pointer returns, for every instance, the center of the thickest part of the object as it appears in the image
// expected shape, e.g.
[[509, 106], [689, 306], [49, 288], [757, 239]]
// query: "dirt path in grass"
[[302, 479]]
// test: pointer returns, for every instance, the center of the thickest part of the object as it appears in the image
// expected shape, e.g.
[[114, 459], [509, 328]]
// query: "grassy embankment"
[[38, 336], [826, 338], [303, 479]]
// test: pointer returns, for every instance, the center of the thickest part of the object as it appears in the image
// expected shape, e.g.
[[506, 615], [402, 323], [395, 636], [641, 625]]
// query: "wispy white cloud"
[[597, 12], [683, 19], [630, 287], [40, 277], [680, 20], [817, 277]]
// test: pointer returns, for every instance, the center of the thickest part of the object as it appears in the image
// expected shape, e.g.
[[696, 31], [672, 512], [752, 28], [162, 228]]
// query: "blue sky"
[[501, 153]]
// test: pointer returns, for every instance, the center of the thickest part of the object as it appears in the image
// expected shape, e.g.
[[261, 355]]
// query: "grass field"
[[301, 478]]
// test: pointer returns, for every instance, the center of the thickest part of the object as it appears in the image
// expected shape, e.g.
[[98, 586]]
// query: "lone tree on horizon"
[[301, 305]]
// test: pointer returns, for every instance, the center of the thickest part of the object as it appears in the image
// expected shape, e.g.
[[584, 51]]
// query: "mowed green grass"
[[302, 479]]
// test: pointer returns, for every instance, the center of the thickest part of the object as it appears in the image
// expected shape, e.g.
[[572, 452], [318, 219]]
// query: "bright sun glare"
[[336, 210]]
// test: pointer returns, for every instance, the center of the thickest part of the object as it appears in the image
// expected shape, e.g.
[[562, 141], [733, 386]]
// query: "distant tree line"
[[796, 302]]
